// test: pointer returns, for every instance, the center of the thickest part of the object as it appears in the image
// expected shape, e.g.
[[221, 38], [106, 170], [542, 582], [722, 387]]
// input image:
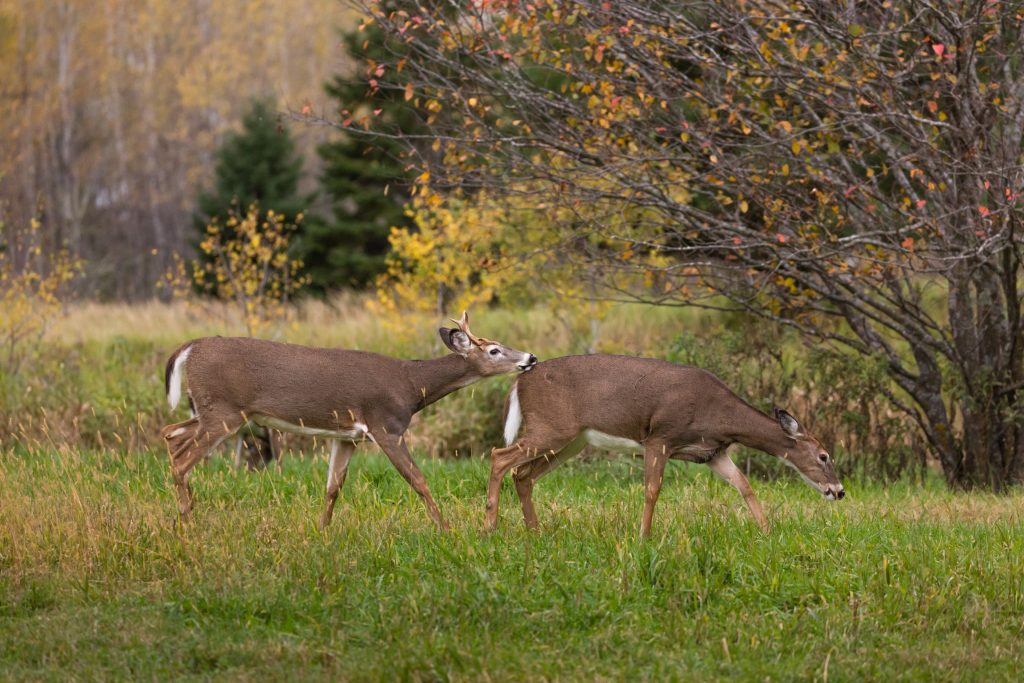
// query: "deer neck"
[[436, 378], [764, 433]]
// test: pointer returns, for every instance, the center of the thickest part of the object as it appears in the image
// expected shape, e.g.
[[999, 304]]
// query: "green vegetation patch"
[[98, 581]]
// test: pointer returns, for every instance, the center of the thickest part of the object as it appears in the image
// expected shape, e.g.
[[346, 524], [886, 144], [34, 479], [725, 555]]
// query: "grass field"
[[98, 582]]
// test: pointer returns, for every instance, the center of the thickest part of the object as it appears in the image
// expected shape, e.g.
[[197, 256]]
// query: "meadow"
[[902, 580], [100, 582]]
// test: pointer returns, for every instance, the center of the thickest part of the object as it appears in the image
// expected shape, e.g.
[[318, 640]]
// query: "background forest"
[[114, 112]]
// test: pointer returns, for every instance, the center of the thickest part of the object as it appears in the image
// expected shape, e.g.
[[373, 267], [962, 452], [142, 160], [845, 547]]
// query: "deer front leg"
[[398, 454], [655, 457], [341, 453], [724, 467]]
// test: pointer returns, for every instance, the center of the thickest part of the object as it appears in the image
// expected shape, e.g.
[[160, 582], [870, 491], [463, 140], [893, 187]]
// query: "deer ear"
[[456, 340], [787, 422]]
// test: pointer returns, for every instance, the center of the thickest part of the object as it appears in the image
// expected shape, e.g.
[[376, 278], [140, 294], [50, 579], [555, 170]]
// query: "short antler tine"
[[462, 322]]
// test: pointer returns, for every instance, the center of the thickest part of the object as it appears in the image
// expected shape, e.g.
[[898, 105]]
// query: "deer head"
[[486, 356], [809, 458]]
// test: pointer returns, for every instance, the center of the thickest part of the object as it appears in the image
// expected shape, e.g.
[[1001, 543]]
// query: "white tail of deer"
[[341, 395], [640, 405]]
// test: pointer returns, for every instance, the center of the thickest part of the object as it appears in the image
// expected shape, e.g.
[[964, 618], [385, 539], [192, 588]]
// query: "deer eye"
[[494, 352], [823, 457]]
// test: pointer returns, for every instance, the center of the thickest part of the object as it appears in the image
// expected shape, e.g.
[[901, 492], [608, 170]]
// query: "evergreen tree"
[[258, 164], [364, 178]]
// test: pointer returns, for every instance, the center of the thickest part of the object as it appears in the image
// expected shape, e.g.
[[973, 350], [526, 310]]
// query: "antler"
[[463, 324]]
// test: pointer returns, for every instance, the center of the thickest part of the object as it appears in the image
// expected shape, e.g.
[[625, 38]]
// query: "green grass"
[[98, 582]]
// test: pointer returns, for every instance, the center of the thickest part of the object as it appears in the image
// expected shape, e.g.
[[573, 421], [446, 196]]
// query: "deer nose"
[[840, 494], [532, 360]]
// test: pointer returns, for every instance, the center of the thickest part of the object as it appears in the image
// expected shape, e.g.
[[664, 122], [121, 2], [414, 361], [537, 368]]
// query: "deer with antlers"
[[340, 395], [642, 406]]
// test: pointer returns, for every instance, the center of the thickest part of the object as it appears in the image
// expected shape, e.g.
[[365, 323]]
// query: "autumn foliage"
[[853, 171], [33, 292], [248, 261]]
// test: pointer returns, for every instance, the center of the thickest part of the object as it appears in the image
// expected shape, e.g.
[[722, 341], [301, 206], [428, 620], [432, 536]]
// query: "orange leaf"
[[907, 243], [408, 91]]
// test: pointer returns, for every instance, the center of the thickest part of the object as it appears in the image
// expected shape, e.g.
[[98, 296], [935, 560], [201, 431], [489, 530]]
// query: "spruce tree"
[[364, 178], [257, 164]]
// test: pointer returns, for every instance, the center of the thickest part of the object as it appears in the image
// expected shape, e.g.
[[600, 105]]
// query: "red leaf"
[[921, 203], [376, 112], [939, 48], [907, 243], [983, 210], [781, 238]]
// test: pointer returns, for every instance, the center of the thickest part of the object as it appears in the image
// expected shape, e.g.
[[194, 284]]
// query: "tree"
[[113, 111], [248, 261], [257, 165], [365, 179], [852, 170]]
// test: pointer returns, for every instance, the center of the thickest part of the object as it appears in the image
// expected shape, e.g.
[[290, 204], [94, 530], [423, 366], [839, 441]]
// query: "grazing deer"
[[255, 447], [641, 405], [340, 395]]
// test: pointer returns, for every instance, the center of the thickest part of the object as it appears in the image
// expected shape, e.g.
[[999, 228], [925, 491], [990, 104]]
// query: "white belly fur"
[[358, 432], [612, 443]]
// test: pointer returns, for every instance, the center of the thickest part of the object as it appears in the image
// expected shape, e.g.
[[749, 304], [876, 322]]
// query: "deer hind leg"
[[189, 442], [341, 453], [525, 476], [724, 467], [504, 459]]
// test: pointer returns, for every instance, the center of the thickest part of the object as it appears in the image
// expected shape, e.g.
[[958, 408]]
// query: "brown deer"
[[336, 394], [641, 405]]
